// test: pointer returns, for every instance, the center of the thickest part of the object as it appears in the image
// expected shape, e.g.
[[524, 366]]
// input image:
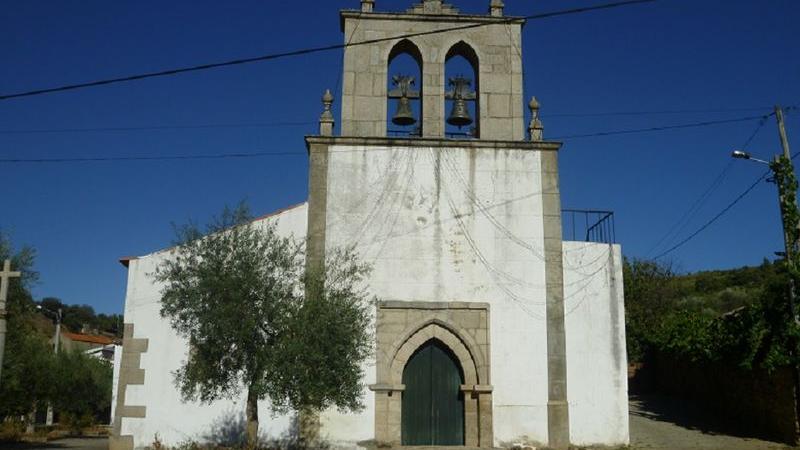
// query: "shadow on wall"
[[229, 431]]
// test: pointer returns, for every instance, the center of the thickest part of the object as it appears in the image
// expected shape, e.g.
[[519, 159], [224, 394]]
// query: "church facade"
[[491, 330]]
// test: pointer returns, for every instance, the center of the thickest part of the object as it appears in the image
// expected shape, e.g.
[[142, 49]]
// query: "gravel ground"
[[656, 423], [100, 443], [664, 423]]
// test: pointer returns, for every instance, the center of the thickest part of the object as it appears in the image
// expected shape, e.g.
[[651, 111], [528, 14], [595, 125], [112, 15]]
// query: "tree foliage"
[[318, 363], [739, 316], [26, 377], [229, 293], [649, 292], [83, 385], [258, 322], [32, 375]]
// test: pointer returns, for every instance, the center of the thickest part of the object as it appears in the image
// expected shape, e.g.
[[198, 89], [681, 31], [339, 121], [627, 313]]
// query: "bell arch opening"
[[404, 87], [462, 96], [433, 401]]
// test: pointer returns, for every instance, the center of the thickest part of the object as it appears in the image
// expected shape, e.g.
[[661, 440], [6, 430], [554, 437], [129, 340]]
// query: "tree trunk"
[[309, 428], [252, 419], [31, 420]]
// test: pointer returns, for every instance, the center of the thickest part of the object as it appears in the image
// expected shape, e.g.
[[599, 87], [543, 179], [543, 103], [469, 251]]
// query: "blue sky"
[[663, 56]]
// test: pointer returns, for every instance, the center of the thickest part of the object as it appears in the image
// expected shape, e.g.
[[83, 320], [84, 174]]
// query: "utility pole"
[[56, 345], [789, 236], [783, 174], [783, 170], [5, 275]]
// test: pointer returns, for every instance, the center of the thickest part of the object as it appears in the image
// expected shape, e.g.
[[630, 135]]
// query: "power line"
[[715, 218], [263, 154], [684, 220], [307, 123], [150, 158], [311, 50], [678, 227], [660, 128], [160, 127], [653, 113], [727, 208]]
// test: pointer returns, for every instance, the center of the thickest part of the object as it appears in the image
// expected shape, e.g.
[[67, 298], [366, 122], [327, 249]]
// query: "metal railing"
[[588, 225]]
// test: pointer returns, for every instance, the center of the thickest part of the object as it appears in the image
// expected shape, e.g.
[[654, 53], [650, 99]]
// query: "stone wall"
[[497, 46], [401, 328], [752, 402]]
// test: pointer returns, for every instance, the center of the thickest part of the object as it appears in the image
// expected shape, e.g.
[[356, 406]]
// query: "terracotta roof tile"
[[89, 338]]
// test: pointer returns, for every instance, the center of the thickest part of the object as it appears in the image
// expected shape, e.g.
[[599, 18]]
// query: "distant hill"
[[722, 291], [82, 318], [662, 307]]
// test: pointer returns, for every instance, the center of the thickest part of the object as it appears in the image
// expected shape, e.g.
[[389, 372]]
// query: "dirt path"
[[662, 423], [65, 444]]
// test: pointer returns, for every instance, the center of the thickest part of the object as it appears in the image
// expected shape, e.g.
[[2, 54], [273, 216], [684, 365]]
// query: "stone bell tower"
[[462, 230], [491, 43]]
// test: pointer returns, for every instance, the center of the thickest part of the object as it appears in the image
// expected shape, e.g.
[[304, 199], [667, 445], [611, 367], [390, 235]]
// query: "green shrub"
[[11, 430]]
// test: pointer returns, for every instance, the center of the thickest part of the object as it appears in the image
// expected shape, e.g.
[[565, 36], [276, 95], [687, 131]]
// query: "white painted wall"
[[452, 224], [463, 224], [437, 225], [597, 376], [167, 415]]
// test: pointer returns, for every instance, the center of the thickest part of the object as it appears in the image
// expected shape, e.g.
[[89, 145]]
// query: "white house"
[[491, 329]]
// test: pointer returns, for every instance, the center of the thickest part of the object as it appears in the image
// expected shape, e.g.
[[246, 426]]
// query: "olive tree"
[[259, 323]]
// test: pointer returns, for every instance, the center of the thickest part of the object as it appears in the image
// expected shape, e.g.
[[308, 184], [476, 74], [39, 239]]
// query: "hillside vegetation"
[[739, 315]]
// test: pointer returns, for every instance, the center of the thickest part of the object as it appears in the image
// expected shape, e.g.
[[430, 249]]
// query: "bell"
[[404, 115], [459, 116]]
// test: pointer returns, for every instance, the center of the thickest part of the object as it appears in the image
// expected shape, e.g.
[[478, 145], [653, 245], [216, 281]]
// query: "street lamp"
[[56, 344], [783, 175], [779, 176], [57, 316], [741, 154]]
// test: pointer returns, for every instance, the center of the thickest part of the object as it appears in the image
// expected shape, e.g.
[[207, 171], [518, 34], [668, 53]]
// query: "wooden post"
[[5, 275], [791, 250]]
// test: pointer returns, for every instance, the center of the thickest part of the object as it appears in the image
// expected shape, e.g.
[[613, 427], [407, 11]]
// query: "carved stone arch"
[[461, 46], [406, 46], [402, 327], [434, 329]]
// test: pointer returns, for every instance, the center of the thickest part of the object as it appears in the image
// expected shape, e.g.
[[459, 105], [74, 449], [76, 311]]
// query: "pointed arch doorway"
[[433, 401]]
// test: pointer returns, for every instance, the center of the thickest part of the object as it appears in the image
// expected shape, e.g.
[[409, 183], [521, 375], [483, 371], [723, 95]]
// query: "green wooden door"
[[433, 405]]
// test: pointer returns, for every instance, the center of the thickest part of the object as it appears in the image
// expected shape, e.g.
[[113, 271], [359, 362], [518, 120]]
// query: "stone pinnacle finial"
[[496, 8], [535, 128], [326, 120], [367, 5], [432, 6]]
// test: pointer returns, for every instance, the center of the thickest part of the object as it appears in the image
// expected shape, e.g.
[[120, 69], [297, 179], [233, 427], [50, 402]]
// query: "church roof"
[[125, 260]]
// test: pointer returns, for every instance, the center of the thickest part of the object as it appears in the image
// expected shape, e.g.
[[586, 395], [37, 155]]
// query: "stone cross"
[[5, 275]]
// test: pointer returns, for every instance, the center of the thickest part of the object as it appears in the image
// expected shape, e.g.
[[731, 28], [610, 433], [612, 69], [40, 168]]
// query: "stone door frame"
[[402, 328]]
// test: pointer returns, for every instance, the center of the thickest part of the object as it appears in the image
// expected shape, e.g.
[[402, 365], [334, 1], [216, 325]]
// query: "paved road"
[[63, 444], [656, 423], [662, 423]]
